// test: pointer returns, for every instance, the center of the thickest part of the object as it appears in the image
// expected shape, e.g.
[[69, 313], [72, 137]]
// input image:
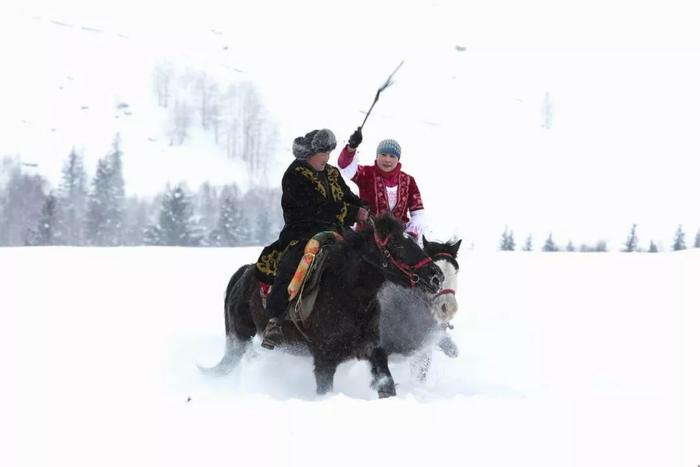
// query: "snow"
[[566, 359], [623, 102]]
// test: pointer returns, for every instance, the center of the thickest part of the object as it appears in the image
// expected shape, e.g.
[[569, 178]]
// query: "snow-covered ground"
[[566, 359]]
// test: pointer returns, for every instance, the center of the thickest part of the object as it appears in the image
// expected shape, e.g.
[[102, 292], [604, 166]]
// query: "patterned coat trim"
[[337, 193], [310, 204], [310, 175], [373, 189], [268, 263]]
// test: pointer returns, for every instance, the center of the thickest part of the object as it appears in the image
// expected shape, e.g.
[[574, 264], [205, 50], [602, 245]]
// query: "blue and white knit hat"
[[389, 146]]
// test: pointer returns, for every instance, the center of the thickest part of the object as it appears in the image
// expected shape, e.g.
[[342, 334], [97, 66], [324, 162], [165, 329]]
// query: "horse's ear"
[[428, 247], [455, 248], [383, 225]]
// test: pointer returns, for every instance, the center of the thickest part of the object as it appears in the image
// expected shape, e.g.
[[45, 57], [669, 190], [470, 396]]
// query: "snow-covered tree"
[[652, 247], [263, 230], [163, 77], [249, 133], [570, 246], [207, 206], [104, 221], [138, 213], [528, 243], [549, 244], [232, 229], [697, 240], [632, 242], [176, 223], [49, 229], [263, 214], [20, 206], [72, 196], [180, 121], [679, 240], [507, 241]]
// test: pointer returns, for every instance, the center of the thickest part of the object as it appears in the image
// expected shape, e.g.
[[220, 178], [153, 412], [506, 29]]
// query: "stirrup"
[[272, 335]]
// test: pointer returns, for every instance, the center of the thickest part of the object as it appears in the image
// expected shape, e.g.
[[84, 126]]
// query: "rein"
[[407, 269]]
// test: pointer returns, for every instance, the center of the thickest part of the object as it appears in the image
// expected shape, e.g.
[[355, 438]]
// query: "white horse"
[[413, 322]]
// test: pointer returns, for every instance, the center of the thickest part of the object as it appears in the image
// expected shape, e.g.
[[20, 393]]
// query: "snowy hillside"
[[76, 86], [566, 360], [543, 133]]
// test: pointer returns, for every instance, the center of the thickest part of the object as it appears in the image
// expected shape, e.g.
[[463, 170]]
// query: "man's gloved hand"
[[355, 139]]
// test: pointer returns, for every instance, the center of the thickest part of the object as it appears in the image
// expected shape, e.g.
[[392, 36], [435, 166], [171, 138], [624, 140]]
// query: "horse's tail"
[[234, 346], [231, 357]]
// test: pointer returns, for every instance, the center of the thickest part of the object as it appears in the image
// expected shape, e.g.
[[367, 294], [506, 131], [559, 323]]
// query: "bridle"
[[451, 259], [406, 269]]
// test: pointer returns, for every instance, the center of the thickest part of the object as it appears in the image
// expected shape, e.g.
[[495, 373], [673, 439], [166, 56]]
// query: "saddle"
[[305, 284]]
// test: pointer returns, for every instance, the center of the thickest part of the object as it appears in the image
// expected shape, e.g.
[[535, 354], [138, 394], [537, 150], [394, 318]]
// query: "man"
[[314, 199]]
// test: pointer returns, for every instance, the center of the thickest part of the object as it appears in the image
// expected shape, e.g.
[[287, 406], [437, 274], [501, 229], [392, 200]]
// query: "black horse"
[[344, 323], [413, 321]]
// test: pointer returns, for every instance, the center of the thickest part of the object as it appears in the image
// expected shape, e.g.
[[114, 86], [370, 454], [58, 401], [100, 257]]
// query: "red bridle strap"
[[445, 292], [400, 265]]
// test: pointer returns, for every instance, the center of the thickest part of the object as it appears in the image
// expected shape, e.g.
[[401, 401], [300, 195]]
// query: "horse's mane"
[[447, 250], [355, 241]]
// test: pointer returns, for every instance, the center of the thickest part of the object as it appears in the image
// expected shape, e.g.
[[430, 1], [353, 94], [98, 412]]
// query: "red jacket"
[[372, 182]]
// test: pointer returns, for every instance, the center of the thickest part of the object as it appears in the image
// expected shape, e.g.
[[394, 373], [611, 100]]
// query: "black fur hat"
[[313, 142]]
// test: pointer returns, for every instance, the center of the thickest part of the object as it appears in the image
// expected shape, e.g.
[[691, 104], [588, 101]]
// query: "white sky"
[[622, 77]]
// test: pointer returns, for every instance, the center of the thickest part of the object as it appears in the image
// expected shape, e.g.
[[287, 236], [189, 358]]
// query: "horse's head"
[[445, 256], [401, 259]]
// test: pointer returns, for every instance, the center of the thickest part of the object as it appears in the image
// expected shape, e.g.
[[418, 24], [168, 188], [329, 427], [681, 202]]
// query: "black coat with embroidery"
[[311, 202]]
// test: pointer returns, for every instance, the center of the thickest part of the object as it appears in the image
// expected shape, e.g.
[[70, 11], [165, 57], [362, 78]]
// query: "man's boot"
[[272, 335]]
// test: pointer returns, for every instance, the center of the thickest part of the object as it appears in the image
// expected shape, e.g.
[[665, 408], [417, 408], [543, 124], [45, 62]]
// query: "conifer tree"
[[507, 241], [104, 220], [72, 198], [632, 242], [549, 244], [176, 223], [49, 228], [21, 204], [679, 240], [231, 229]]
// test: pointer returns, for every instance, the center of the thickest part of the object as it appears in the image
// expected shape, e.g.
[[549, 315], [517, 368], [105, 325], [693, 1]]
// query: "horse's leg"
[[448, 346], [382, 380], [420, 365], [324, 370]]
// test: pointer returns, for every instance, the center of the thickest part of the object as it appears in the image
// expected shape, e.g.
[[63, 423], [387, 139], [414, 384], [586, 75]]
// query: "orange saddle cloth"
[[307, 263]]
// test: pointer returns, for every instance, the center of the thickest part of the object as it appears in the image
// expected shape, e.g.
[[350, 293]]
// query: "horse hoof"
[[448, 347], [385, 387]]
